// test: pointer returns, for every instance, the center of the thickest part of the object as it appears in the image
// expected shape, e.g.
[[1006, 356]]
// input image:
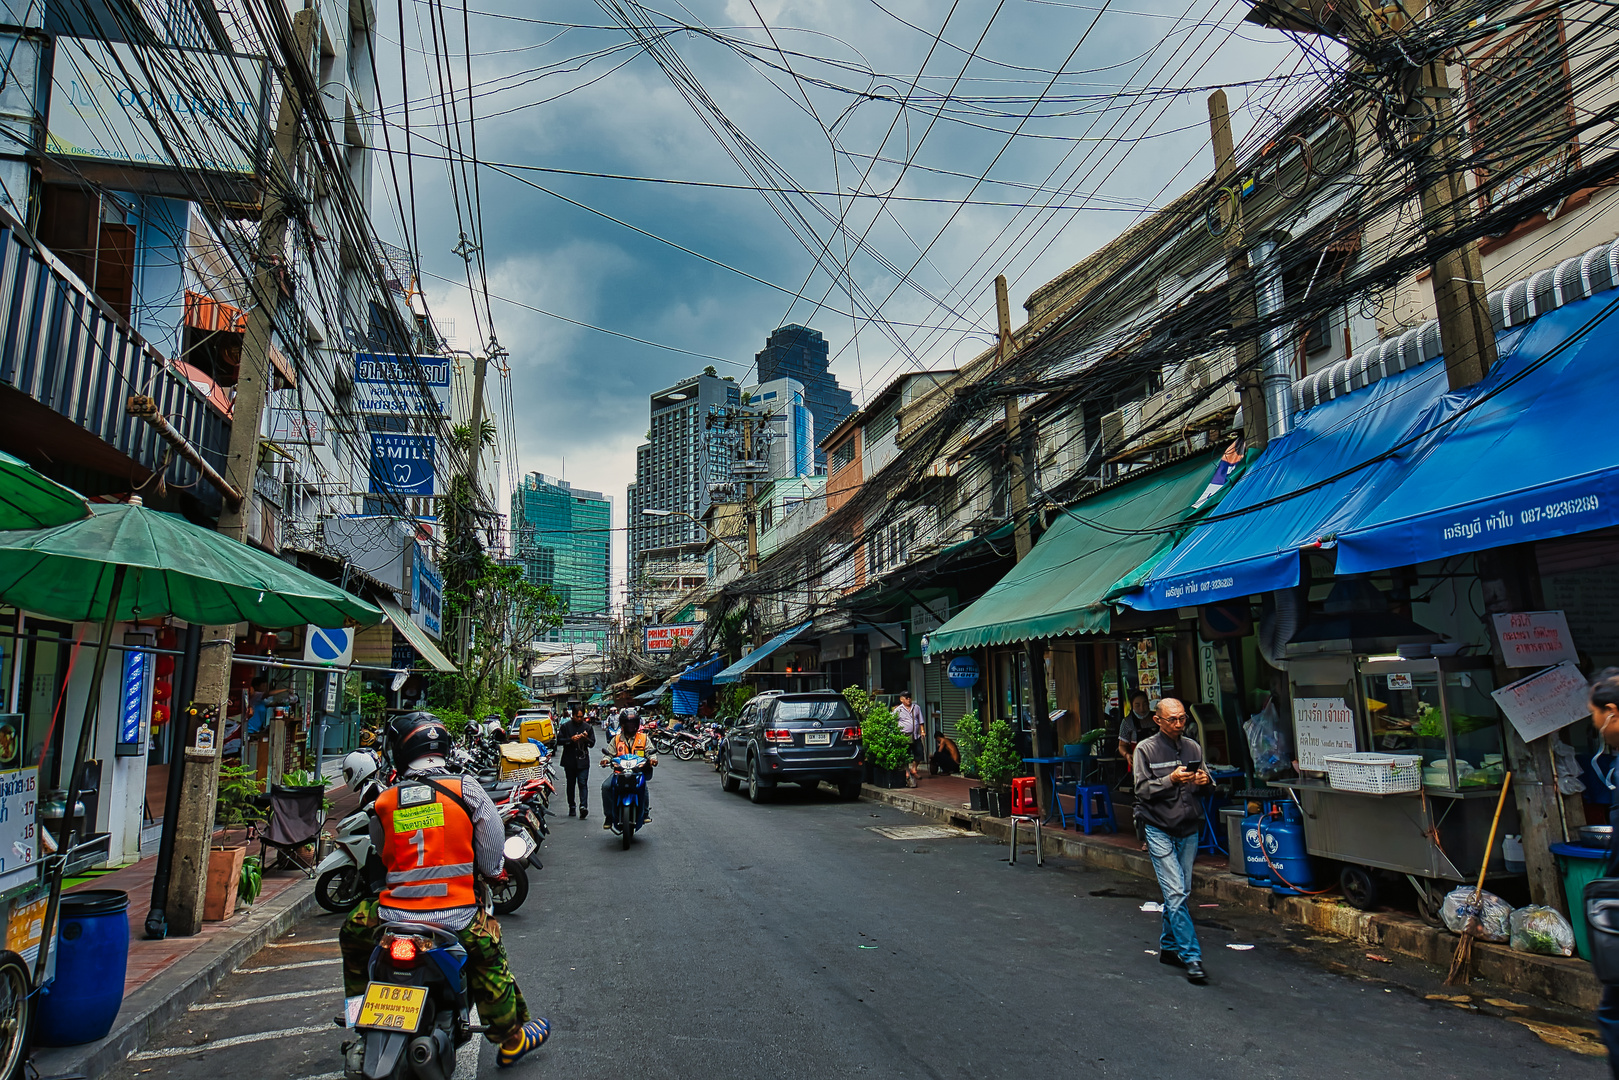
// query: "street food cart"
[[1433, 716]]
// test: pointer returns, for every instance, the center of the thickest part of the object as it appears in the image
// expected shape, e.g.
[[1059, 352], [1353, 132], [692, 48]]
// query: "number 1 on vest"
[[418, 840]]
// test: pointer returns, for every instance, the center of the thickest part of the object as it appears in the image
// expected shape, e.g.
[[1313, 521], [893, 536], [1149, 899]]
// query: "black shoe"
[[583, 815], [1195, 972], [570, 811], [1172, 959]]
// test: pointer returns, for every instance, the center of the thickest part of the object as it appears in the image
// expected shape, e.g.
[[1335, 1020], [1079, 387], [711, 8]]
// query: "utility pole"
[[194, 816], [466, 535], [1014, 427], [1250, 391]]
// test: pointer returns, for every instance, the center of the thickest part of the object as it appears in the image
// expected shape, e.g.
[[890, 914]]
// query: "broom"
[[1461, 965]]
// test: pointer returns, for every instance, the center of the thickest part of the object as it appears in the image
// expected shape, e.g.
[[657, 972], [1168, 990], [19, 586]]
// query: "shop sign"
[[1546, 701], [402, 464], [1533, 638], [19, 839], [132, 703], [333, 682], [291, 422], [428, 596], [323, 645], [25, 926], [1322, 726], [402, 385], [1147, 679], [962, 671], [668, 637]]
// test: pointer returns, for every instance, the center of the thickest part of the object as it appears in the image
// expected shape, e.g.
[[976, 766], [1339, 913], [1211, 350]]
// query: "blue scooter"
[[415, 1012], [629, 796]]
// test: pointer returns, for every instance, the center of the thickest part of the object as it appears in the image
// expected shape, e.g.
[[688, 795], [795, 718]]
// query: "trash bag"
[[1494, 913], [1268, 743], [1537, 929]]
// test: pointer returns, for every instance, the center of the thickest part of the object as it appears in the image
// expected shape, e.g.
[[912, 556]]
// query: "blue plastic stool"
[[1093, 808]]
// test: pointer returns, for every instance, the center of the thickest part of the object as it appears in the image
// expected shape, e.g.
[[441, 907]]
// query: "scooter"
[[629, 796], [340, 878], [415, 1012]]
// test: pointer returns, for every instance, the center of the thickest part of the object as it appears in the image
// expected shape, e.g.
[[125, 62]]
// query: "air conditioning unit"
[[1121, 425]]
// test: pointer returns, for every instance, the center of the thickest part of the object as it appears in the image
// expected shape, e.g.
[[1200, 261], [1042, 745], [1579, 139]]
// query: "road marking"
[[250, 1001], [918, 832], [234, 1040], [301, 944], [289, 967]]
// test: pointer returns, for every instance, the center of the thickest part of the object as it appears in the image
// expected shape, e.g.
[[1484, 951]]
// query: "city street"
[[794, 939]]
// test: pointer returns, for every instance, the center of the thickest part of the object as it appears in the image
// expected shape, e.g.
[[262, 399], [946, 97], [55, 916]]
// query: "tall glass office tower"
[[798, 352]]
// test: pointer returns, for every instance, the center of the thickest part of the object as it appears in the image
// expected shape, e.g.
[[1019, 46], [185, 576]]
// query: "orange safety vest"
[[620, 747], [426, 847]]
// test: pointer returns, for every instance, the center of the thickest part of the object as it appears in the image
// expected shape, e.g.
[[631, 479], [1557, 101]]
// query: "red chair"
[[1023, 796]]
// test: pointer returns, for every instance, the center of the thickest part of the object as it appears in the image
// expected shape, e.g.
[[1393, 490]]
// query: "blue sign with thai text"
[[401, 464], [132, 708], [429, 595], [963, 671]]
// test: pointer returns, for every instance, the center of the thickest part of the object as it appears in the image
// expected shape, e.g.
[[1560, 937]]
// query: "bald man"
[[1169, 771]]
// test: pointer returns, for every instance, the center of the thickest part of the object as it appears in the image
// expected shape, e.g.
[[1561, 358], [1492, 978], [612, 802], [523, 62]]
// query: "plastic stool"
[[1093, 808], [1039, 848], [1024, 800]]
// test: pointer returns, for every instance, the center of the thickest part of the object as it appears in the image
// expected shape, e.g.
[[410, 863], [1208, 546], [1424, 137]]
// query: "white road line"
[[300, 944], [289, 967], [251, 1001], [234, 1040]]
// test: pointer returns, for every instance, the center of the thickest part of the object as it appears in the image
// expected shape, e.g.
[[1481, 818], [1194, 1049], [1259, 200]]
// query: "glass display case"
[[1440, 708]]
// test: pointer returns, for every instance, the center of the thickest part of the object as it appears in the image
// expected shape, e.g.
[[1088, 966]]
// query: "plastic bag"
[[1268, 743], [1537, 929], [1494, 913], [1568, 770]]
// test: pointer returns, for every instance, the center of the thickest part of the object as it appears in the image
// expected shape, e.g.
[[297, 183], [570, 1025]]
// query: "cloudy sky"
[[940, 143]]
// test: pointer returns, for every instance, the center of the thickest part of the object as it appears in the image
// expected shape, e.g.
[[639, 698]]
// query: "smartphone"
[[1192, 766]]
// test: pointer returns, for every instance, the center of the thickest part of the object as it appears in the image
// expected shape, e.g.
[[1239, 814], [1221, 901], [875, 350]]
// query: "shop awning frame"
[[416, 636], [736, 670]]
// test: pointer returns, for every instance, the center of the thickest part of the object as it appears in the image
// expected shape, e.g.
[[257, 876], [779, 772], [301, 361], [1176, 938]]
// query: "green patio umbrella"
[[31, 500], [124, 562]]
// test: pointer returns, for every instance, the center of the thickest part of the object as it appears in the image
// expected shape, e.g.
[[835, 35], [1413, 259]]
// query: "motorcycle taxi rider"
[[436, 833], [629, 740]]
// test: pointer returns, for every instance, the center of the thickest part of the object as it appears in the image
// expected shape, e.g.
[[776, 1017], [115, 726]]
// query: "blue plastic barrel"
[[1283, 838], [93, 954]]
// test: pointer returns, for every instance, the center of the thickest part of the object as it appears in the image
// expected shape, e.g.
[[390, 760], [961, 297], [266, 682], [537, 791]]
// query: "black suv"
[[797, 738]]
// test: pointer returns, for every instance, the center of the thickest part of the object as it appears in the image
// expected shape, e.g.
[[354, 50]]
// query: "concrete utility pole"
[[1249, 385], [1022, 541], [480, 366], [194, 816]]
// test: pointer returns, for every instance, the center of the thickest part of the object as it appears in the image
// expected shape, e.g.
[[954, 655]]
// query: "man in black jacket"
[[1168, 771], [576, 738]]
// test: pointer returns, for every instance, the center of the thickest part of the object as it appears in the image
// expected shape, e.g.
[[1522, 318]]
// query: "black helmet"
[[416, 735]]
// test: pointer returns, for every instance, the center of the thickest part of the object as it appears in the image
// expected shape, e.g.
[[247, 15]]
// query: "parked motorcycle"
[[629, 796], [340, 878]]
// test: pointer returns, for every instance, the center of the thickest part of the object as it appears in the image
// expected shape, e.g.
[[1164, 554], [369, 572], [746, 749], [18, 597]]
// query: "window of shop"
[[44, 667], [1521, 110]]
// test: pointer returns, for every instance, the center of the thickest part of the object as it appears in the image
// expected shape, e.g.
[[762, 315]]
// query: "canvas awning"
[[732, 673], [1063, 585], [416, 636]]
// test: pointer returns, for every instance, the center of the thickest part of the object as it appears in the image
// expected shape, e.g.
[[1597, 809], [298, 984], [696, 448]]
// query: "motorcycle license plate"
[[818, 738], [392, 1008]]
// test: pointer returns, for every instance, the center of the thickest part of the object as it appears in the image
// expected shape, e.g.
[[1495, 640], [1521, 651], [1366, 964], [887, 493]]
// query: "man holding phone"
[[1168, 771]]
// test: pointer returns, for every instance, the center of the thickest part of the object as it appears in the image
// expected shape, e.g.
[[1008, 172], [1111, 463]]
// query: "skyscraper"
[[798, 352], [790, 429], [563, 538]]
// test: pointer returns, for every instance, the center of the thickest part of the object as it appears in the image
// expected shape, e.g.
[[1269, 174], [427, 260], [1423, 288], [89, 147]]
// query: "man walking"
[[576, 738], [909, 715], [1168, 771]]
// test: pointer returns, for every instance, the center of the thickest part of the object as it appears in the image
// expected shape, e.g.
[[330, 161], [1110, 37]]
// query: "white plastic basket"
[[1375, 774]]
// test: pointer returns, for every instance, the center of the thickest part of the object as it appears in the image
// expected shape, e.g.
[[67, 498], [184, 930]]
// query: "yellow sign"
[[25, 926], [411, 818], [396, 1008]]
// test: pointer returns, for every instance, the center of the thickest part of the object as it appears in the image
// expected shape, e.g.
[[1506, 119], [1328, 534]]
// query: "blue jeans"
[[1172, 861]]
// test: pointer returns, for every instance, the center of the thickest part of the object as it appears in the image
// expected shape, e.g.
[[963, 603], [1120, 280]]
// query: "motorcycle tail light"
[[852, 734], [781, 735], [402, 951]]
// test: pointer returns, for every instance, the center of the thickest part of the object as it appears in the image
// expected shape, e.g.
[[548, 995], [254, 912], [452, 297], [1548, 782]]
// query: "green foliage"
[[729, 701], [859, 701], [372, 706], [733, 633], [300, 778], [887, 747], [510, 697], [506, 612], [238, 787], [456, 722], [251, 883], [999, 761], [970, 741]]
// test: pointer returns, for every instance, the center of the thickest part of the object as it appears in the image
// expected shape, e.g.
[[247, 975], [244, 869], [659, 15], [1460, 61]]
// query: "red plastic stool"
[[1023, 797]]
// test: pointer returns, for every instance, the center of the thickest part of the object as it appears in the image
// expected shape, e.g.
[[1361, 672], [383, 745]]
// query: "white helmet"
[[359, 767]]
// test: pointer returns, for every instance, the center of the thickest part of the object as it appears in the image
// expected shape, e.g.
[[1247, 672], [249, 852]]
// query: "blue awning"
[[694, 684], [700, 672], [1523, 455], [730, 674], [1306, 486]]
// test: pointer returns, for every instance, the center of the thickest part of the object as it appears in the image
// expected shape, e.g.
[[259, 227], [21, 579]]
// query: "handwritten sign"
[[1546, 701], [1321, 726], [1533, 638], [19, 836]]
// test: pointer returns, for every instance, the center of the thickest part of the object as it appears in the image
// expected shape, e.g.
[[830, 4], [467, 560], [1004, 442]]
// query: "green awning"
[[417, 637], [1063, 585]]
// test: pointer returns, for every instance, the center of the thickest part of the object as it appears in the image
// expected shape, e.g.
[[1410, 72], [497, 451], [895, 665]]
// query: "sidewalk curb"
[[1565, 980], [189, 980]]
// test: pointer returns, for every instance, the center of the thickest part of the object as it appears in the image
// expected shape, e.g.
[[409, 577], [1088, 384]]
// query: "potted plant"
[[998, 762], [224, 881], [970, 741], [887, 747]]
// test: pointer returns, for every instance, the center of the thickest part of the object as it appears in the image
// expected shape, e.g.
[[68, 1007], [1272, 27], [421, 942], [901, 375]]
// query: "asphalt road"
[[792, 939]]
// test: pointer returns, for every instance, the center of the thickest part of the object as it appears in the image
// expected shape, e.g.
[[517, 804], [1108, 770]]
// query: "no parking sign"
[[324, 645]]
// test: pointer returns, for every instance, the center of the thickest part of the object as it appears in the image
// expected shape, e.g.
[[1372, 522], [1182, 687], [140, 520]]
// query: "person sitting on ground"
[[946, 759]]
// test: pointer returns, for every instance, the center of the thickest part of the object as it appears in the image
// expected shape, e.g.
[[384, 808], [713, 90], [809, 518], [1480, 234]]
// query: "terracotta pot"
[[224, 877]]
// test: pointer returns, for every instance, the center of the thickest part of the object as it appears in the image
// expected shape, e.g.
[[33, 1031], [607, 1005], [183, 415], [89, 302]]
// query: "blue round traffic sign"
[[962, 671], [329, 645]]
